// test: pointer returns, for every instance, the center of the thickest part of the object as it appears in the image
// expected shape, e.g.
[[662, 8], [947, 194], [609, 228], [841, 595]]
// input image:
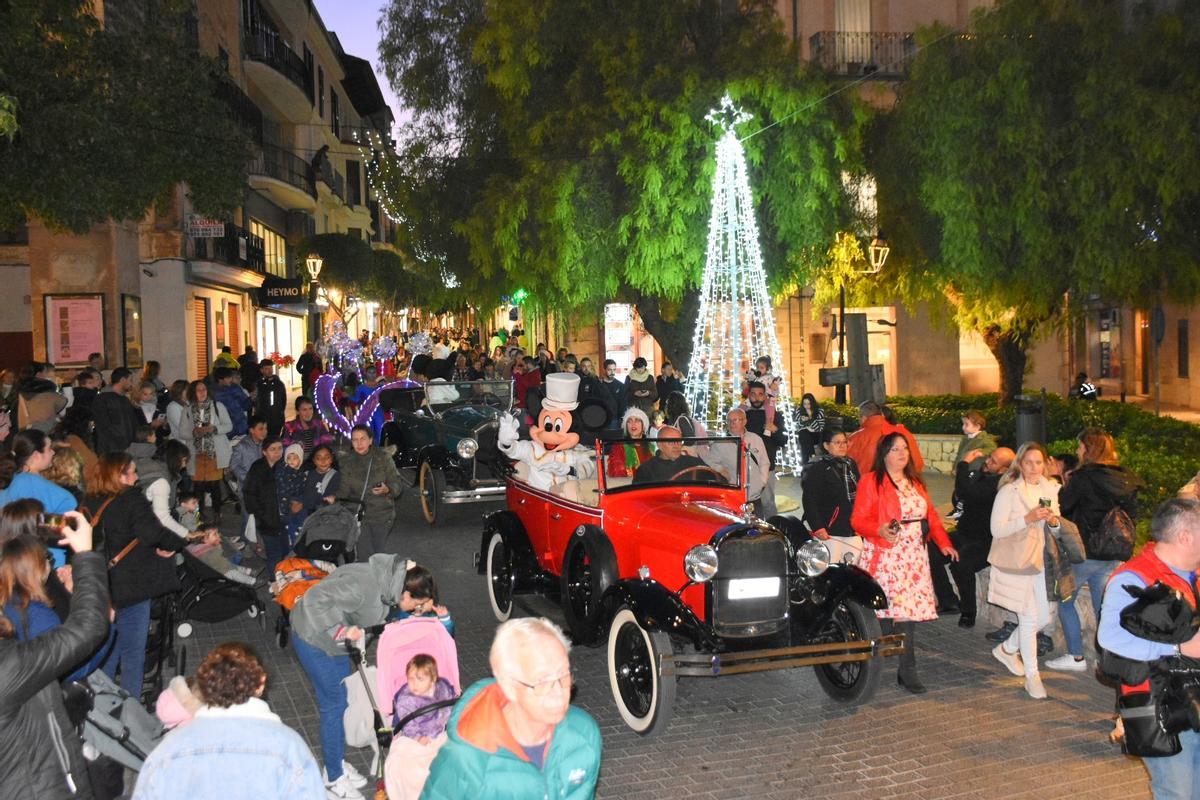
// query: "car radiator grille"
[[743, 604]]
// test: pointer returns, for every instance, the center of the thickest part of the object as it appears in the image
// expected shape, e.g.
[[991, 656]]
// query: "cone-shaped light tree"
[[736, 323]]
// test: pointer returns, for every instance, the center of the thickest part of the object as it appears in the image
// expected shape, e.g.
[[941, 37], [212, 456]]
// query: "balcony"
[[242, 109], [332, 179], [278, 74], [854, 54], [237, 248], [285, 178]]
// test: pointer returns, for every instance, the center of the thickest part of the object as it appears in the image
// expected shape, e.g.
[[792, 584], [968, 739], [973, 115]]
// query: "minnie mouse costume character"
[[554, 454]]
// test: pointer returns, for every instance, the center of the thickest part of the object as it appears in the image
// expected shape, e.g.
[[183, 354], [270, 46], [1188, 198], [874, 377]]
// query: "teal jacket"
[[475, 763]]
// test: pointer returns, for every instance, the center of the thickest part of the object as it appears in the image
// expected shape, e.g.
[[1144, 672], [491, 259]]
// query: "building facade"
[[176, 287]]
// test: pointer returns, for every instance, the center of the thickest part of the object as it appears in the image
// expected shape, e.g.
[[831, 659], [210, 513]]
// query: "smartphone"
[[51, 520], [1044, 502]]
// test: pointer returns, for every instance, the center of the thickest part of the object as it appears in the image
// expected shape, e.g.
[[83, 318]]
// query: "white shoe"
[[1034, 688], [1011, 661], [1067, 663], [343, 789], [356, 777]]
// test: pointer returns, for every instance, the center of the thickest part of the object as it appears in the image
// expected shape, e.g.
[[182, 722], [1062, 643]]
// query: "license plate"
[[750, 588]]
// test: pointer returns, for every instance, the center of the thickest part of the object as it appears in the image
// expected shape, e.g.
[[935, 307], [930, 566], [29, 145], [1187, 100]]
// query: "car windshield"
[[442, 395], [677, 460]]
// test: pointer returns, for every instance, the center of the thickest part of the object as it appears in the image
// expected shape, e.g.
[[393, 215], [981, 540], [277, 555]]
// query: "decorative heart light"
[[334, 418]]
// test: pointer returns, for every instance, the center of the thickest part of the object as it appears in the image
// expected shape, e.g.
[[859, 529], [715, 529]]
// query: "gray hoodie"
[[354, 595]]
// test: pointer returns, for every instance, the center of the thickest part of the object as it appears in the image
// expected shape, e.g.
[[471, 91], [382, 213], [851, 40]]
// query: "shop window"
[[274, 248], [1183, 348]]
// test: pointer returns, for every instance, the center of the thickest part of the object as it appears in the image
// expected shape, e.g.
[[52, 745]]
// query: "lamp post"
[[313, 264], [878, 252]]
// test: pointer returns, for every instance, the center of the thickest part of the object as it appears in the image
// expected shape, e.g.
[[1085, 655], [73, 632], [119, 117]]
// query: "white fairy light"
[[736, 321]]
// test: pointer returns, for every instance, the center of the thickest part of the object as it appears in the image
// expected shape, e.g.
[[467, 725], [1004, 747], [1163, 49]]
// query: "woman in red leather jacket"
[[893, 512]]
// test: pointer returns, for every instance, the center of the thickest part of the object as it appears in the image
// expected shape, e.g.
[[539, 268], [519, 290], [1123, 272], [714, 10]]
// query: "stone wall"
[[939, 450]]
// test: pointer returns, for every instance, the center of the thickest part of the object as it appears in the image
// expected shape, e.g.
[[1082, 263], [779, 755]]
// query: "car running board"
[[703, 665]]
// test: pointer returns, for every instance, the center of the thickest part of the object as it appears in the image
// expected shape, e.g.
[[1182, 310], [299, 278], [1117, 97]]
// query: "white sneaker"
[[343, 789], [1033, 686], [1067, 663], [356, 777], [1011, 661]]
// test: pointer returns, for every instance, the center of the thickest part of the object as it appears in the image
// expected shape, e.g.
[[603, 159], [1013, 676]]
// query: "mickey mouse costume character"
[[554, 454]]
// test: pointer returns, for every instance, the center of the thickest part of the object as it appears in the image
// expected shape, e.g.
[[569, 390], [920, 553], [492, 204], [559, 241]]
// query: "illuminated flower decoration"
[[385, 348], [419, 343]]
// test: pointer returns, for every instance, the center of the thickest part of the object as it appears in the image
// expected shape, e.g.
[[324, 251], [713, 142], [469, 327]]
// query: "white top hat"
[[562, 391]]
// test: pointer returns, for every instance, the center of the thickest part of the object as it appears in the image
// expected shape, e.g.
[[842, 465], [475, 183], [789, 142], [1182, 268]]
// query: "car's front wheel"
[[431, 483], [499, 571], [850, 682], [644, 695], [589, 568]]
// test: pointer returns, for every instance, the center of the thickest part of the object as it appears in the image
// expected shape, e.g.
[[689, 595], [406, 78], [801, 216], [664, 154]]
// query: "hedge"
[[1164, 452]]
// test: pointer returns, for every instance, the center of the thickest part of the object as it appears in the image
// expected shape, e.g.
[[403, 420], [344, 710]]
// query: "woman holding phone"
[[369, 477], [1026, 509], [892, 512]]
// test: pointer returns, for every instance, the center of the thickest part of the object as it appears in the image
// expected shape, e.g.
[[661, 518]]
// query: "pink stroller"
[[407, 763]]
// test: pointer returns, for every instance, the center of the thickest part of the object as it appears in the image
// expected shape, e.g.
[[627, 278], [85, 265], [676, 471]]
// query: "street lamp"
[[314, 263], [879, 252]]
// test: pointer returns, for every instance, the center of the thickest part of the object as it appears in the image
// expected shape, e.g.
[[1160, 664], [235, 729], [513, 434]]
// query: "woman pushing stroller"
[[328, 618]]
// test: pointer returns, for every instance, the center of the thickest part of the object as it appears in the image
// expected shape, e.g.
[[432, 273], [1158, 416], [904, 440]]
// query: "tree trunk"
[[1010, 347], [671, 324]]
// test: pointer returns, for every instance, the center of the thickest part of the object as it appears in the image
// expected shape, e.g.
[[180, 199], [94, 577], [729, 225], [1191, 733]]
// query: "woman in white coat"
[[1026, 509], [204, 429]]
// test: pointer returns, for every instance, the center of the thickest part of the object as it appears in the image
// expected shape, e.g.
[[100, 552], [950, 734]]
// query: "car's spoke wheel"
[[589, 569], [499, 571], [644, 695], [850, 681], [430, 483]]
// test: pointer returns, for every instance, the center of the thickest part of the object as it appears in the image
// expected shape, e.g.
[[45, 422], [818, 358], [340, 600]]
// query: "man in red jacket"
[[872, 428]]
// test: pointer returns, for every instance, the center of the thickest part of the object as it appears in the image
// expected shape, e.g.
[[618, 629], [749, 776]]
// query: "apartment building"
[[177, 287]]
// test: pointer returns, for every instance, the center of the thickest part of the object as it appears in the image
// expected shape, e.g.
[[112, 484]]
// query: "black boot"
[[907, 674]]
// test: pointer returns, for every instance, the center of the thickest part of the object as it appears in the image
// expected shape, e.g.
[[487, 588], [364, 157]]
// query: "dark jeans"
[[964, 579], [276, 550], [808, 444], [128, 655]]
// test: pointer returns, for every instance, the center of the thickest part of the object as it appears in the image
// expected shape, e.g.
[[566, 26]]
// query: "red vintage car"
[[674, 570]]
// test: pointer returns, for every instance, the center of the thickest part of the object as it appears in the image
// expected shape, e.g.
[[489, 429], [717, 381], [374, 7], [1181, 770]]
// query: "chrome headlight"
[[700, 563], [467, 448], [813, 558]]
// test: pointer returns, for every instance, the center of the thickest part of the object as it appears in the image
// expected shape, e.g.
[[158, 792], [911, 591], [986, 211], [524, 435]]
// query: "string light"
[[736, 322], [381, 171]]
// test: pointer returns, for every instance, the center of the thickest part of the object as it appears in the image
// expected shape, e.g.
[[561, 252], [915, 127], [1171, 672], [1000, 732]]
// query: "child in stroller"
[[418, 681], [208, 595]]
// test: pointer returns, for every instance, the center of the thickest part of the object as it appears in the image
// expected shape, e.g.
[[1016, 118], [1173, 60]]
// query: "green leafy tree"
[[561, 146], [1018, 166], [111, 117], [8, 117]]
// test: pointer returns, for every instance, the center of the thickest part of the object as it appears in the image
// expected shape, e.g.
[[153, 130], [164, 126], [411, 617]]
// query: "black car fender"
[[656, 608], [508, 525], [438, 457], [818, 597]]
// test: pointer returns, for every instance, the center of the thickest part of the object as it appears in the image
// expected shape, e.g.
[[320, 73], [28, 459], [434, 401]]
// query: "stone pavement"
[[775, 734]]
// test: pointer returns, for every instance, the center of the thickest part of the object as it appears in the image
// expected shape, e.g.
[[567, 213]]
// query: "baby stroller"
[[405, 764], [160, 646], [208, 596], [326, 539]]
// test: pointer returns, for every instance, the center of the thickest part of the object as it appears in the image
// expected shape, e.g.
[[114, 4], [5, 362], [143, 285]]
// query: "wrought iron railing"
[[267, 47], [859, 53], [237, 248], [284, 165]]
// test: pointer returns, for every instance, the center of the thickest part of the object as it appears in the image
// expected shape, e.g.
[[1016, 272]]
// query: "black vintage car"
[[445, 440]]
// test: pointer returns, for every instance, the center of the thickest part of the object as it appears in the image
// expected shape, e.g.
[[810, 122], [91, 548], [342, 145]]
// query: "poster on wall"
[[131, 330], [74, 328]]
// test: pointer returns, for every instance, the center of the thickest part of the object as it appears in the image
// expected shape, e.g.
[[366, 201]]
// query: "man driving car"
[[670, 459]]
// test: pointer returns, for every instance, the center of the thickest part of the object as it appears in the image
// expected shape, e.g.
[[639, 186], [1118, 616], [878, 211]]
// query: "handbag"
[[1019, 554], [1145, 735], [1114, 540]]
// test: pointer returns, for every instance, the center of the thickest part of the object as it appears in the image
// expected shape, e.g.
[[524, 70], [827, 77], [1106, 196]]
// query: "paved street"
[[776, 735]]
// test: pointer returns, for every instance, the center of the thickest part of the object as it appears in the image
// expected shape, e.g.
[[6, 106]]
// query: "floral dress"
[[903, 569]]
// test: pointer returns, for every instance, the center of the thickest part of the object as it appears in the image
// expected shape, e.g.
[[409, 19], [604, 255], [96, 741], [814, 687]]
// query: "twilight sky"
[[356, 23]]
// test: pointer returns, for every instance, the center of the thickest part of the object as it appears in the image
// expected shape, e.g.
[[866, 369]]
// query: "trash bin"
[[1031, 418]]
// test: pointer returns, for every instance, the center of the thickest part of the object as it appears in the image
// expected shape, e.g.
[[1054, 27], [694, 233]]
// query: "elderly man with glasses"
[[517, 735]]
